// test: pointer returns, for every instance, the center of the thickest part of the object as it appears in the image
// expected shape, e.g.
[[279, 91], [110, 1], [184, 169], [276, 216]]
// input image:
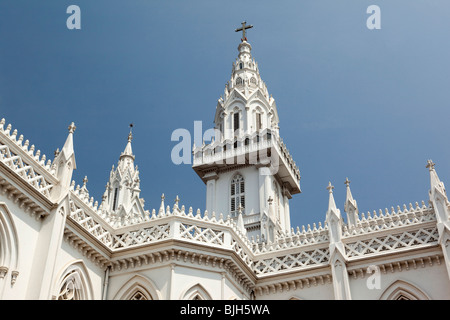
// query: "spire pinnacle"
[[330, 187], [72, 128], [331, 202], [430, 165]]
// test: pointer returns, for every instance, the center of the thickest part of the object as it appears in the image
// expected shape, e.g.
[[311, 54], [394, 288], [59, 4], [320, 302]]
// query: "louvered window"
[[237, 194]]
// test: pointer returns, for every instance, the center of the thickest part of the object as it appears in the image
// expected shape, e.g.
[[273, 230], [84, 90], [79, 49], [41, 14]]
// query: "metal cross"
[[243, 28]]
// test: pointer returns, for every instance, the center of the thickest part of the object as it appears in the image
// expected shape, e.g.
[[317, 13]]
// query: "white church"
[[59, 243]]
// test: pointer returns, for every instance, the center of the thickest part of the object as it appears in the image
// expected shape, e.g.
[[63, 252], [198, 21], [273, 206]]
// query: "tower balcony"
[[263, 148]]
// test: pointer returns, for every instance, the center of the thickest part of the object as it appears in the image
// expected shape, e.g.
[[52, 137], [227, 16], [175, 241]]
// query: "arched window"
[[253, 80], [196, 292], [138, 295], [74, 284], [258, 121], [138, 288], [402, 290], [238, 81], [237, 194], [115, 198], [236, 122]]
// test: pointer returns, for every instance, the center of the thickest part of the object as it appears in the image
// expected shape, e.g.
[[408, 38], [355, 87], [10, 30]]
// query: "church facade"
[[57, 242]]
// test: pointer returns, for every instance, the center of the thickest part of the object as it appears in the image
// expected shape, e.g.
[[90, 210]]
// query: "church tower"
[[248, 171]]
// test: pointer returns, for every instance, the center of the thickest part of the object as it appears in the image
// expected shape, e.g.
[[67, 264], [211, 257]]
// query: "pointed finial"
[[177, 199], [85, 181], [240, 208], [72, 127], [430, 165], [330, 187]]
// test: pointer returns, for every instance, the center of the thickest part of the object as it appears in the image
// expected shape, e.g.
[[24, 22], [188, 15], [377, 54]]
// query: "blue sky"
[[370, 105]]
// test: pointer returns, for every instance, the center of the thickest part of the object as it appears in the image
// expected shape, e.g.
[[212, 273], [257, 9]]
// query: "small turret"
[[121, 197], [65, 164]]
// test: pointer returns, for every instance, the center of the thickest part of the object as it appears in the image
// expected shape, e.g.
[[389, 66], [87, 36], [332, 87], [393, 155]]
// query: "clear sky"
[[370, 105]]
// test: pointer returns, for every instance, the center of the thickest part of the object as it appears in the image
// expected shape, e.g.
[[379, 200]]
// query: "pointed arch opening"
[[402, 290], [138, 287], [196, 292]]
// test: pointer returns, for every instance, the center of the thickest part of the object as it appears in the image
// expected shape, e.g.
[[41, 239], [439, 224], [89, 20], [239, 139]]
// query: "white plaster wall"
[[27, 229], [432, 280]]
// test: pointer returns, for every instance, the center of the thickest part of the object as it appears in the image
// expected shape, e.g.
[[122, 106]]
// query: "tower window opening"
[[236, 121], [237, 194], [258, 122], [115, 199]]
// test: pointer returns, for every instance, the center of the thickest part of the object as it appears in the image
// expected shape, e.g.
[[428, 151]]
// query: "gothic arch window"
[[74, 284], [138, 295], [402, 290], [236, 121], [239, 81], [253, 80], [138, 287], [196, 292], [237, 193]]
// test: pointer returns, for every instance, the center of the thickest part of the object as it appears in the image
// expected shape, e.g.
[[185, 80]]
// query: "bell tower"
[[248, 171]]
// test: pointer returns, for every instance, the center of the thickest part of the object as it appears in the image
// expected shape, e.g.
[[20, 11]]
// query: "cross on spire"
[[130, 135], [347, 182], [243, 28], [330, 187], [72, 127], [430, 165]]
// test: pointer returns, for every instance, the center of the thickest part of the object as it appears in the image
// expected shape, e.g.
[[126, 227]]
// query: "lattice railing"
[[292, 261], [25, 170], [392, 242], [85, 220], [201, 234], [25, 161], [141, 236]]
